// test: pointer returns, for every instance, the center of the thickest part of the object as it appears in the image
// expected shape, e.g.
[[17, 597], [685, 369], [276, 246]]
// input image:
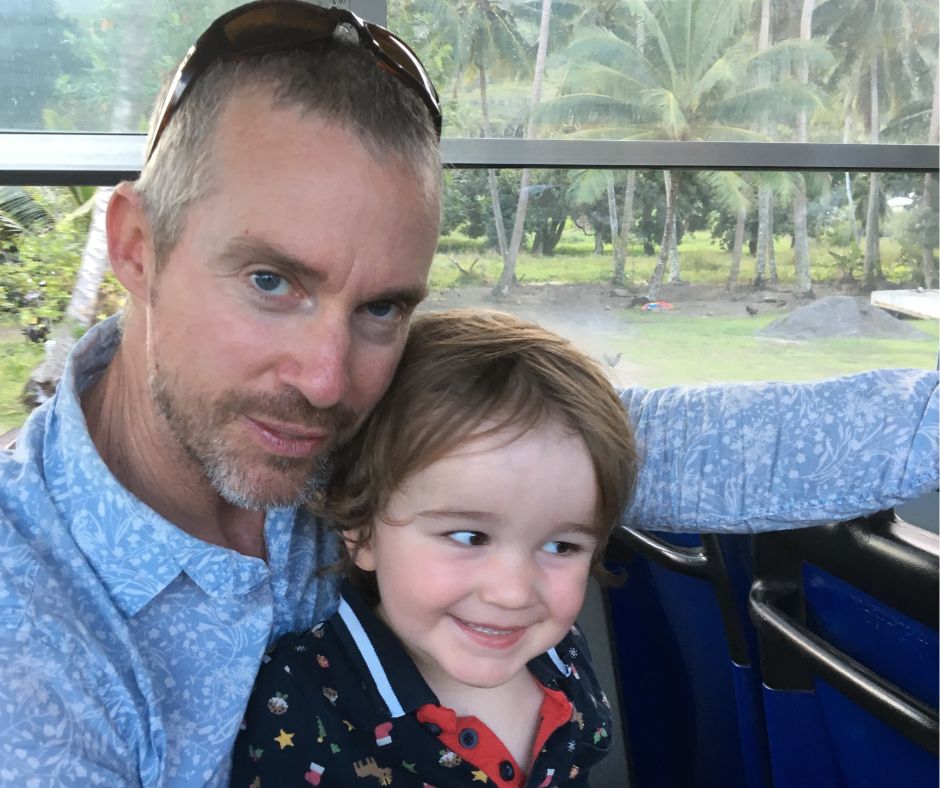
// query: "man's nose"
[[509, 581], [318, 362]]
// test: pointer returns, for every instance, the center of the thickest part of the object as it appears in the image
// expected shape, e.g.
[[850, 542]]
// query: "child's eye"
[[563, 548], [469, 538]]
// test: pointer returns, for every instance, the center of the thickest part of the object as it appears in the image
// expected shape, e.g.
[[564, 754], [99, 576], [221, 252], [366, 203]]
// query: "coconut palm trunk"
[[737, 249], [872, 264], [620, 264], [508, 273], [801, 264], [656, 280], [491, 173]]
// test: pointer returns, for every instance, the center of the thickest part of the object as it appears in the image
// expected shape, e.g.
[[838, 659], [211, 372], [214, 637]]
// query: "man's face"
[[277, 321]]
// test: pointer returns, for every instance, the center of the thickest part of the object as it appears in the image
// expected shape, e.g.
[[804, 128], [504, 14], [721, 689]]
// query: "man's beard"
[[199, 425]]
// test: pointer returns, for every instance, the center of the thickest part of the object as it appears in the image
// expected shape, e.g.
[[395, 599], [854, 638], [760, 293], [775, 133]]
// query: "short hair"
[[465, 374], [340, 82]]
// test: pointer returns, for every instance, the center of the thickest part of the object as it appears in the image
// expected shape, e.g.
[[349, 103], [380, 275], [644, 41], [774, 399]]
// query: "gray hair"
[[341, 82]]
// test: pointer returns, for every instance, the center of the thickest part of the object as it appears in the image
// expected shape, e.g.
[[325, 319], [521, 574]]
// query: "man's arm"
[[764, 456]]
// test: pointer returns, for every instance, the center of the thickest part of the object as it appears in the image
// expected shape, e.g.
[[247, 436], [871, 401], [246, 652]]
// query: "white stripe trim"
[[565, 669], [361, 639]]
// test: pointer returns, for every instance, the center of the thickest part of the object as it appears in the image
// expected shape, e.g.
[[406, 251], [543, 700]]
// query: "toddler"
[[474, 503]]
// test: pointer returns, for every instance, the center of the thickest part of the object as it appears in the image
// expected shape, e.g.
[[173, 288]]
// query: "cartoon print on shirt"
[[449, 759], [479, 776], [369, 768], [285, 739], [549, 773], [278, 703], [321, 731], [331, 695], [255, 752], [383, 734], [314, 773], [578, 717]]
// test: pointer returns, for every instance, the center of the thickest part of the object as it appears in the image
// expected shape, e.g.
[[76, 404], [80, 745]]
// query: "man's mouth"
[[288, 440]]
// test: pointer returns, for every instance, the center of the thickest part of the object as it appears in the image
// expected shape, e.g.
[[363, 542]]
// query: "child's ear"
[[361, 551]]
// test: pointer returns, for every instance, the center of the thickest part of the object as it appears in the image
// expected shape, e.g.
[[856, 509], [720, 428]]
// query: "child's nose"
[[509, 582]]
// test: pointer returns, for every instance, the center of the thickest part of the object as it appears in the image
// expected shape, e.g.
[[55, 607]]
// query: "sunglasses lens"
[[278, 27]]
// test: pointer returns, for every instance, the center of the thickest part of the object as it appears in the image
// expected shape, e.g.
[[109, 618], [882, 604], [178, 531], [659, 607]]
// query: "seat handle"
[[691, 561], [881, 698]]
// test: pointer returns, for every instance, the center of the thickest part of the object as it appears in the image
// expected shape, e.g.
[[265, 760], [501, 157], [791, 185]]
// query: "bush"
[[36, 282]]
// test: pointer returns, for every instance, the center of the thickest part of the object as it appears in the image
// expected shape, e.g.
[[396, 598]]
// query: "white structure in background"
[[917, 303]]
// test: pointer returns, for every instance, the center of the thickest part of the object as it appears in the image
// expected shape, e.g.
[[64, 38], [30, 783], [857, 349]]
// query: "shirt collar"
[[135, 552], [396, 678]]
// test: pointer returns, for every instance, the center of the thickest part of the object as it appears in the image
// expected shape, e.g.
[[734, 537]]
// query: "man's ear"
[[129, 241], [361, 551]]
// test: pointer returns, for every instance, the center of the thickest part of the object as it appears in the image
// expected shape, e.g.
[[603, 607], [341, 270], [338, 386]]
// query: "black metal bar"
[[884, 700]]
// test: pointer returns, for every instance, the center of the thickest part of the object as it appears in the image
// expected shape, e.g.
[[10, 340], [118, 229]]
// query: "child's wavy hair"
[[466, 374]]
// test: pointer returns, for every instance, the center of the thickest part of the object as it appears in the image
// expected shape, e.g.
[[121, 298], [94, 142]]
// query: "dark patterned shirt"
[[345, 705]]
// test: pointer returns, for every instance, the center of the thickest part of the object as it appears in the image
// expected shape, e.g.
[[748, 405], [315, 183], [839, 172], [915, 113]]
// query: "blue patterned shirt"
[[128, 648]]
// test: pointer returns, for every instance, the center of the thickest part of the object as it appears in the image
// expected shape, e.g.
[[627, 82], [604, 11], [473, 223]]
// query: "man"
[[273, 250]]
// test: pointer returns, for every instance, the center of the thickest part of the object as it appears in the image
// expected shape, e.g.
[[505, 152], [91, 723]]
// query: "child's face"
[[490, 568]]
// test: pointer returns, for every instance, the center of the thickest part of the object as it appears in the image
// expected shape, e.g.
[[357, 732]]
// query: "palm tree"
[[689, 82], [885, 64], [509, 266]]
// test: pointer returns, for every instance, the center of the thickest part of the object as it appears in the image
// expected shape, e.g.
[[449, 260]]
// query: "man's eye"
[[270, 283], [385, 310], [562, 548], [469, 538]]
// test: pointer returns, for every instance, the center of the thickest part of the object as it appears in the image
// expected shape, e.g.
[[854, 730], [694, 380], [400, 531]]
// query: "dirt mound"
[[840, 316]]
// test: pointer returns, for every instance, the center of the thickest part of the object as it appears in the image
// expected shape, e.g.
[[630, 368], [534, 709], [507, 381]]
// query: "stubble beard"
[[248, 480]]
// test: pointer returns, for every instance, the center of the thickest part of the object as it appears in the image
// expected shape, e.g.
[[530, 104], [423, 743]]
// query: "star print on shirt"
[[285, 739], [479, 776]]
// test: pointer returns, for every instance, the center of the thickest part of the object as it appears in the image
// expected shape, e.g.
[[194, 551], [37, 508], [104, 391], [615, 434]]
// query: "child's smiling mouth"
[[491, 636]]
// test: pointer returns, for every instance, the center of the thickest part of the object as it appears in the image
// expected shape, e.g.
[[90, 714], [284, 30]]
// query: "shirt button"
[[430, 727], [468, 738], [506, 771]]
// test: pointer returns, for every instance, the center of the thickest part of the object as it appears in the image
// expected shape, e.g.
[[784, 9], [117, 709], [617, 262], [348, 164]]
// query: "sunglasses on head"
[[282, 25]]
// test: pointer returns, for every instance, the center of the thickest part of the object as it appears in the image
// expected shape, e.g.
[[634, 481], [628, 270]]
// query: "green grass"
[[17, 359], [669, 349], [702, 262]]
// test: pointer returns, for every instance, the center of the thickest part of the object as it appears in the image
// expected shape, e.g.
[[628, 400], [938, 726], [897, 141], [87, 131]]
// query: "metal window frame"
[[92, 159]]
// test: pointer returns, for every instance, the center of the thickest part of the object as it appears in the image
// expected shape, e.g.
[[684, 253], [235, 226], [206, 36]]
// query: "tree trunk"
[[801, 270], [849, 199], [508, 274], [491, 173], [872, 265], [626, 227], [801, 266], [737, 250], [771, 248], [674, 277], [933, 135], [763, 208], [656, 280], [616, 241]]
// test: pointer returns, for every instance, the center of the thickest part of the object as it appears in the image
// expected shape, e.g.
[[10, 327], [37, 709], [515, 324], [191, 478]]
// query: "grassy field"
[[671, 349], [702, 261]]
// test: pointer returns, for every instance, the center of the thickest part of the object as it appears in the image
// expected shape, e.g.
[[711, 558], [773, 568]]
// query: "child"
[[474, 503]]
